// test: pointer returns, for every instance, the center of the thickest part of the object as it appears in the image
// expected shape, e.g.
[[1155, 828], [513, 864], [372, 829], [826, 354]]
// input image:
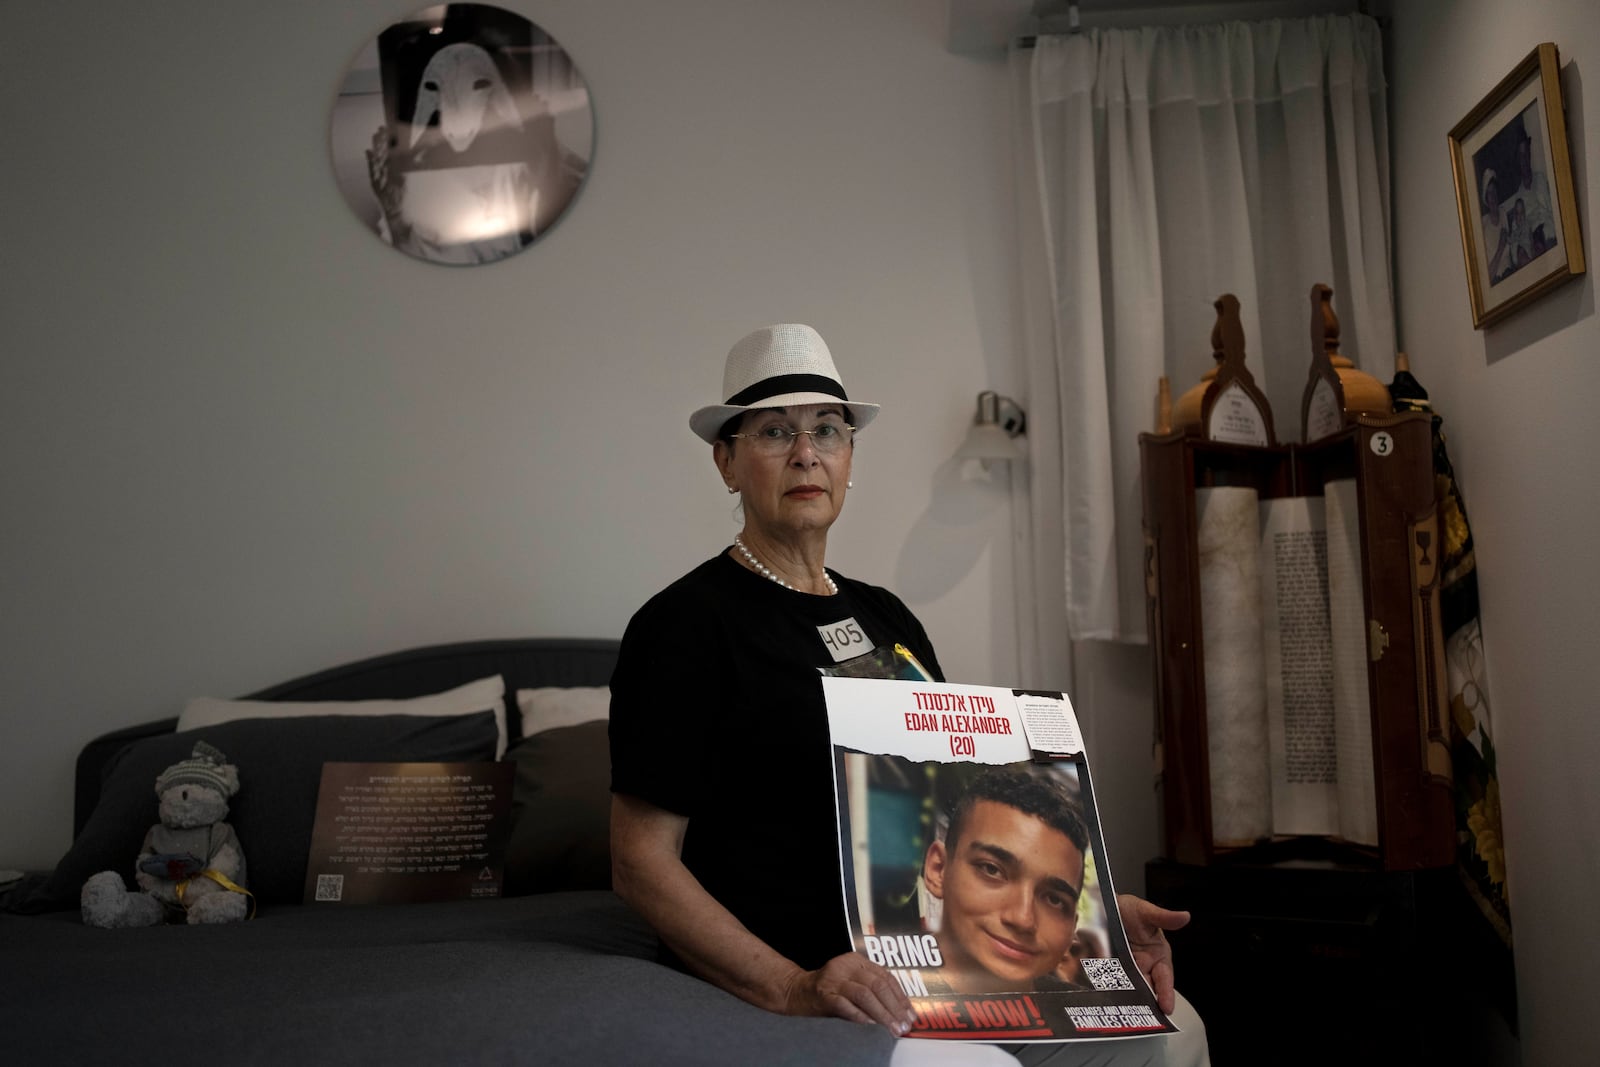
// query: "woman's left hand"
[[1145, 924]]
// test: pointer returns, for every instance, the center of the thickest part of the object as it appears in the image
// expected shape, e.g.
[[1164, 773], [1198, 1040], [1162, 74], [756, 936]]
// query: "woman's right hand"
[[851, 987], [647, 872]]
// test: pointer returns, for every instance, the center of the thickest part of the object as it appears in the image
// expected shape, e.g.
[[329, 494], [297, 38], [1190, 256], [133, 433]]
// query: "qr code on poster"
[[331, 887], [1102, 974]]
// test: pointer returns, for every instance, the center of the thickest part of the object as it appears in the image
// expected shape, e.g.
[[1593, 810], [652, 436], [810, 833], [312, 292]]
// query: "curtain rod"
[[1075, 27]]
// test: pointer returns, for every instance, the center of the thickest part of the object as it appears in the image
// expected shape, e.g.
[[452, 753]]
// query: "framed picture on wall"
[[1513, 177]]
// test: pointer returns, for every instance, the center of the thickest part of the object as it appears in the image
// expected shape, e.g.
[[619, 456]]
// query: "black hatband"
[[787, 383]]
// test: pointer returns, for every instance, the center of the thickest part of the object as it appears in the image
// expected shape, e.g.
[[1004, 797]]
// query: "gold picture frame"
[[1513, 177]]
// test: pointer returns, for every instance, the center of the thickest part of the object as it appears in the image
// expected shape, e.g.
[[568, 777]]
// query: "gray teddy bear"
[[190, 863]]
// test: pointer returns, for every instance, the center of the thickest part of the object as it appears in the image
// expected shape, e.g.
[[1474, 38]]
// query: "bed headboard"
[[524, 663]]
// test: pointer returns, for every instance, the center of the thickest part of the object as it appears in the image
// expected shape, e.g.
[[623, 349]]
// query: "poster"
[[973, 866]]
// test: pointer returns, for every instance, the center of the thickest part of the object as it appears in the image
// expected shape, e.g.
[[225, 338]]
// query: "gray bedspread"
[[561, 978]]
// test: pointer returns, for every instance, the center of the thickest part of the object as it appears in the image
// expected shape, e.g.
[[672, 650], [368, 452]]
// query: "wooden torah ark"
[[1390, 458]]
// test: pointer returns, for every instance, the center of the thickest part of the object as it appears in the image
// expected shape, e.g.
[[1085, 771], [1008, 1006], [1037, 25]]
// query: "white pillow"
[[551, 706], [486, 694]]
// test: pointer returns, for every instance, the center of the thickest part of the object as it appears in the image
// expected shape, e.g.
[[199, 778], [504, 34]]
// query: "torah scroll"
[[1228, 535]]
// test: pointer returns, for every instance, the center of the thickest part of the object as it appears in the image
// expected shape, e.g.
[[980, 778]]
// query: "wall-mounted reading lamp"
[[995, 428]]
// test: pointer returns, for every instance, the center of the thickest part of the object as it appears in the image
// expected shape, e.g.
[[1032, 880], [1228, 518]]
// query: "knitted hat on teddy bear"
[[207, 766]]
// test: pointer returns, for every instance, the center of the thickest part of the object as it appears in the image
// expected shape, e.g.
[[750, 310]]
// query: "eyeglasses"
[[777, 439]]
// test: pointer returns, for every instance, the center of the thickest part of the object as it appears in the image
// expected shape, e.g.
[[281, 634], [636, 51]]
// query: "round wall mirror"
[[462, 134]]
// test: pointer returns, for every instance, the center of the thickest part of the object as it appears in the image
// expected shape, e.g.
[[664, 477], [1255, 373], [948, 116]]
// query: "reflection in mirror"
[[461, 134]]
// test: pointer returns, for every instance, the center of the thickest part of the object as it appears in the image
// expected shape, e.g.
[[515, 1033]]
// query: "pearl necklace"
[[761, 569]]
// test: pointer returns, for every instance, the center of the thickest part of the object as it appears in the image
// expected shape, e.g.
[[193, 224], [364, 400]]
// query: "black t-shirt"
[[717, 714]]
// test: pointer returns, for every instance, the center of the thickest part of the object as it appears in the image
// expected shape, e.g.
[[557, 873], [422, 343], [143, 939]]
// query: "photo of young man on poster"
[[1007, 888], [1009, 874]]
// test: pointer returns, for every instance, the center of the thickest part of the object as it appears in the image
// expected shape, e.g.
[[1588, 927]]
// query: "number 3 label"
[[845, 639], [1382, 444]]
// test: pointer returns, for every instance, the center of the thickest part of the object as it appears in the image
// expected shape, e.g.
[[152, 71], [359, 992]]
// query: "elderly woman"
[[723, 828]]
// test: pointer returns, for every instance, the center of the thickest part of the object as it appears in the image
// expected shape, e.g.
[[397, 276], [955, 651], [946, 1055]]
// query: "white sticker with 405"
[[845, 639]]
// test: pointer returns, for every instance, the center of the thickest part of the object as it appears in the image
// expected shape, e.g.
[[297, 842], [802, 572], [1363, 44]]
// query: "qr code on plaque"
[[1106, 974], [331, 887]]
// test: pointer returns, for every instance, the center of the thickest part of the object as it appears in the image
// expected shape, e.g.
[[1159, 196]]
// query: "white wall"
[[1519, 403], [240, 439]]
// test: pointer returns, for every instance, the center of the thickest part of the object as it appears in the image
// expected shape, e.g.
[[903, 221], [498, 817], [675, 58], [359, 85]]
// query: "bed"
[[556, 971]]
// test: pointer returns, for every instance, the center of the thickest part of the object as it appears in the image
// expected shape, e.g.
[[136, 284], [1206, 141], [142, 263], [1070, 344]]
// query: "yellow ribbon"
[[224, 881]]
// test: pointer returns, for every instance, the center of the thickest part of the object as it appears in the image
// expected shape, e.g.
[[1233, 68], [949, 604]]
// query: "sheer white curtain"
[[1160, 168]]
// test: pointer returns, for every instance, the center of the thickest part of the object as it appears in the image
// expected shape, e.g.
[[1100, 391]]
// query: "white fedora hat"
[[777, 367]]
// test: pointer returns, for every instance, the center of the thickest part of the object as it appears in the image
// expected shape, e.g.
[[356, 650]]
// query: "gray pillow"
[[560, 811], [280, 769]]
